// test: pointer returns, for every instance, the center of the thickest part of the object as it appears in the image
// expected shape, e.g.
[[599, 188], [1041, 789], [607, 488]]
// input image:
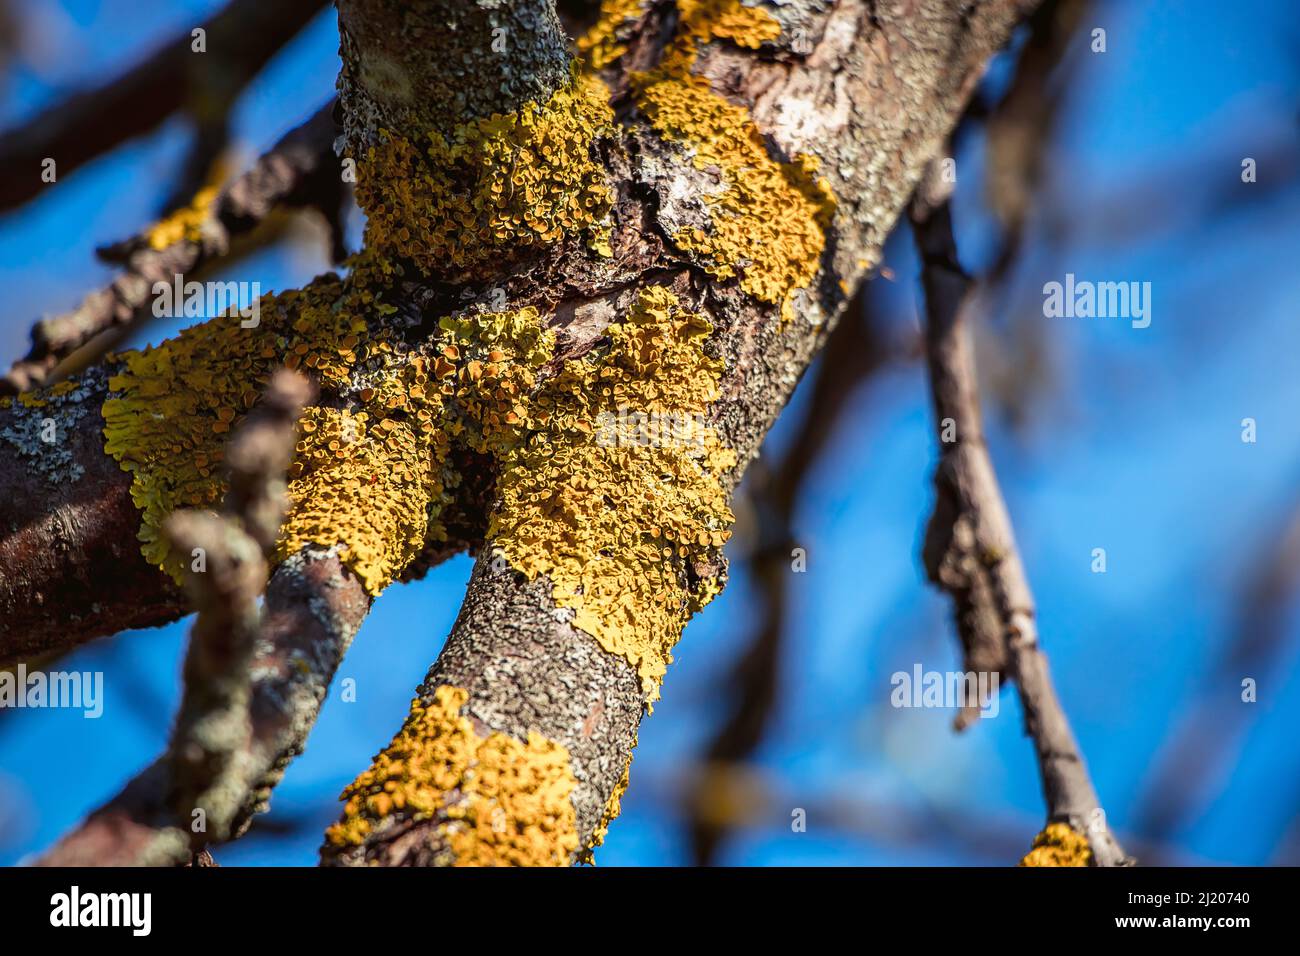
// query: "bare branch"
[[1020, 128], [241, 38], [970, 550], [299, 171], [213, 726], [313, 609]]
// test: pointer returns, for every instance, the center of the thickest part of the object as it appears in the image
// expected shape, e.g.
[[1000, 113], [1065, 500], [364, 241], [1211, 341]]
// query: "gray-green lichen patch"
[[42, 421]]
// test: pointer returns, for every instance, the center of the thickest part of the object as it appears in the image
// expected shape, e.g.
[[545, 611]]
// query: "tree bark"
[[682, 214], [873, 95]]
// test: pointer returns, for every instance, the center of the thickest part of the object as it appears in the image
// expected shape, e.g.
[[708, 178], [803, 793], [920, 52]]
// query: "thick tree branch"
[[254, 681], [70, 562], [697, 203], [970, 550], [412, 67], [871, 92]]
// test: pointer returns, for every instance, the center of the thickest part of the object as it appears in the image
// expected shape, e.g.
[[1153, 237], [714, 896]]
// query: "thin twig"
[[254, 681], [239, 40], [970, 550], [213, 726], [299, 171]]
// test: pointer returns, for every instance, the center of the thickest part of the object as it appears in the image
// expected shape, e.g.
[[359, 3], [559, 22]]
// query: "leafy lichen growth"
[[619, 527], [499, 184], [769, 222], [502, 802], [1059, 845], [602, 44], [184, 223], [363, 476]]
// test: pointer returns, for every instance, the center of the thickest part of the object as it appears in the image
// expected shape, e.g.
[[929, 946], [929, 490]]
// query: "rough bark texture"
[[72, 567], [861, 92], [427, 66], [874, 99], [313, 609]]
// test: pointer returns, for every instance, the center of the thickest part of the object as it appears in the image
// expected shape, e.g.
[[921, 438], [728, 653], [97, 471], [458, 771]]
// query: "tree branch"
[[872, 93], [299, 171], [697, 203], [241, 38], [254, 681], [488, 58], [970, 550]]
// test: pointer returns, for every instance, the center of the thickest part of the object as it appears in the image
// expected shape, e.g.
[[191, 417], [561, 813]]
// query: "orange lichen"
[[602, 45], [491, 359], [498, 801], [363, 477], [769, 222], [615, 526], [500, 184], [184, 223], [1059, 845]]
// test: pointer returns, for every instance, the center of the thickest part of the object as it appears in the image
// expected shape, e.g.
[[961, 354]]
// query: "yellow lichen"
[[1059, 845], [617, 523], [500, 801], [601, 44], [619, 527], [613, 807], [769, 222], [499, 184], [363, 478], [184, 223]]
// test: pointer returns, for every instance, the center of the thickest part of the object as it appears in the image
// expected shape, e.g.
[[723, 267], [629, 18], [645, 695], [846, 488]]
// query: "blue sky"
[[1132, 444]]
